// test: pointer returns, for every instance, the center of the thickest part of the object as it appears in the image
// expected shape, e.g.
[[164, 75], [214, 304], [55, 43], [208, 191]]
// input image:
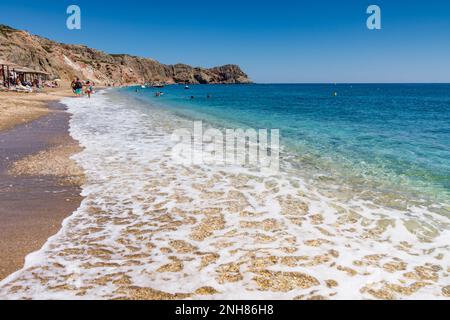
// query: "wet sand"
[[39, 184]]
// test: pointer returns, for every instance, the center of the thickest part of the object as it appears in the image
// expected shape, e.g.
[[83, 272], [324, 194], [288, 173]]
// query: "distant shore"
[[39, 183]]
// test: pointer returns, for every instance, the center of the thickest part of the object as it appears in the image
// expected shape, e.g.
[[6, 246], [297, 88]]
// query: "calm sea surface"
[[382, 141]]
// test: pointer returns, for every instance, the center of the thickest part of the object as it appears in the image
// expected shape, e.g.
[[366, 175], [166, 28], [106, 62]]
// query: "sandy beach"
[[39, 183], [225, 156], [150, 228], [21, 108]]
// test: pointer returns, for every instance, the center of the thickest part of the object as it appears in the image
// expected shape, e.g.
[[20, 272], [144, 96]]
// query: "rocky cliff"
[[68, 61]]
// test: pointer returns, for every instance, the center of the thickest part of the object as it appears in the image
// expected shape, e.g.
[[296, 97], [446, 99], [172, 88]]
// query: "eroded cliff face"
[[68, 61]]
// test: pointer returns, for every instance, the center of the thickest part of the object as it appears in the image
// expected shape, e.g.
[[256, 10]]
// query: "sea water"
[[395, 137], [360, 207]]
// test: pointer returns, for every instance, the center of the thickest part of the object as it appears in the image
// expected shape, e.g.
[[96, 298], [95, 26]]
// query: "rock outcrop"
[[68, 61]]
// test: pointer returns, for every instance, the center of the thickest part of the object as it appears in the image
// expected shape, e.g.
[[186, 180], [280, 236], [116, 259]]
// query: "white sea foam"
[[150, 228]]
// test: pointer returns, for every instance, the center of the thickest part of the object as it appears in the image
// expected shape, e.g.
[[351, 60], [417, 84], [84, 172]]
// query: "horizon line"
[[338, 83], [16, 28]]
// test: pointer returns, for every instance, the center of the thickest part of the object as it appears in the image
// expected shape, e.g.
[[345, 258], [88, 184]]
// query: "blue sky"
[[273, 41]]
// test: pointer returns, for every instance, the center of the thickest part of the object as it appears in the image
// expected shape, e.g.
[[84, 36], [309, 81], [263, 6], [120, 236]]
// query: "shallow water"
[[390, 136], [328, 225]]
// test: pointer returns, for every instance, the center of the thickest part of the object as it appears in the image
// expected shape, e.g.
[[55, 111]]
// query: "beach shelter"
[[23, 73], [28, 74], [6, 66]]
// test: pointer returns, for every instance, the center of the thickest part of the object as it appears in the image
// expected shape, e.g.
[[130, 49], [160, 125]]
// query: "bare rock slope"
[[68, 61]]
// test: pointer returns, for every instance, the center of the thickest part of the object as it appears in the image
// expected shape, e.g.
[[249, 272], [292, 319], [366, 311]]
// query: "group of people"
[[19, 82], [79, 88]]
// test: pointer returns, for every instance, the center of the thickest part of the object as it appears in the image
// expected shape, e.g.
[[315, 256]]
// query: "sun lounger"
[[20, 88]]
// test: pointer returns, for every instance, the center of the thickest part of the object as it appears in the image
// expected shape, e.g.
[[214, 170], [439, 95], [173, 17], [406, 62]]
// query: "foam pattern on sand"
[[149, 228]]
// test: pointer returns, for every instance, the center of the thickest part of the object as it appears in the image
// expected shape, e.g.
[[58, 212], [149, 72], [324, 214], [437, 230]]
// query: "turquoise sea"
[[385, 142]]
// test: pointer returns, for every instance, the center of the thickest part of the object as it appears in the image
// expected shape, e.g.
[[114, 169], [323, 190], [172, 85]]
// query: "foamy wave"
[[149, 228]]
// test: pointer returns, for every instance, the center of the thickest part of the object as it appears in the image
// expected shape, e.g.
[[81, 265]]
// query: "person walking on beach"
[[77, 87], [89, 88]]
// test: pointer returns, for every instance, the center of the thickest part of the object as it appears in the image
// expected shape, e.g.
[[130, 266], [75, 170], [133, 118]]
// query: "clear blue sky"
[[273, 41]]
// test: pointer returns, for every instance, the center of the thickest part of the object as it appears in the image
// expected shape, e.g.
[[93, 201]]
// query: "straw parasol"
[[29, 70]]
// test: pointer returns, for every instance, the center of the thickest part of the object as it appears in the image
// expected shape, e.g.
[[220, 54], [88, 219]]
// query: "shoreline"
[[135, 236], [40, 184]]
